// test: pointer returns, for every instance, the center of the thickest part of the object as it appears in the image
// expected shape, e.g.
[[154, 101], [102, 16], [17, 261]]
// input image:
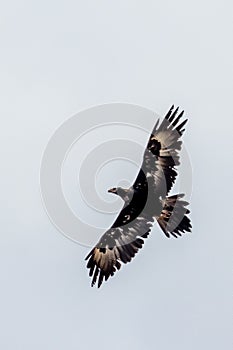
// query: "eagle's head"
[[125, 193]]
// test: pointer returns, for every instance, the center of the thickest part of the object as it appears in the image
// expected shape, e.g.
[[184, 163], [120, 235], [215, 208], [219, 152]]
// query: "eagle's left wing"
[[117, 245], [162, 153]]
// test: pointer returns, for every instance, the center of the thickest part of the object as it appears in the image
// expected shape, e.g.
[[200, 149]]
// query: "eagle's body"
[[144, 202]]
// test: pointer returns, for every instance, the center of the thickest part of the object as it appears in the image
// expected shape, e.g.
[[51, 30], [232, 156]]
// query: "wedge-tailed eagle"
[[145, 201]]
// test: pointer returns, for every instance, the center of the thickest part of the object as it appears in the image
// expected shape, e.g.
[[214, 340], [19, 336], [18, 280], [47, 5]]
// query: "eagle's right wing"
[[117, 245]]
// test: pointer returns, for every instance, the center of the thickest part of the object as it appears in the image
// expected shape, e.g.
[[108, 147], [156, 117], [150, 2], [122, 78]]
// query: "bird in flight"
[[145, 202]]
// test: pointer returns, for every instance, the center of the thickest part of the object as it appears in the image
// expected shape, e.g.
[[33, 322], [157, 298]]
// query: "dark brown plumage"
[[144, 202]]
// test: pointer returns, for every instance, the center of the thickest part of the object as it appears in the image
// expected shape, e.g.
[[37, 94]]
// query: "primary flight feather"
[[145, 201]]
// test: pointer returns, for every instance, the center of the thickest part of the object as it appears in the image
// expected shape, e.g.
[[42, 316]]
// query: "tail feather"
[[173, 219]]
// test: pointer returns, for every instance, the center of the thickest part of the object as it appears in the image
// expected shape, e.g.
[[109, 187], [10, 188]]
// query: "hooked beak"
[[113, 190]]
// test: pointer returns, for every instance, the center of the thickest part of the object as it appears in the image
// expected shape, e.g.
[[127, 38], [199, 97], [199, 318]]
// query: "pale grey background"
[[58, 58]]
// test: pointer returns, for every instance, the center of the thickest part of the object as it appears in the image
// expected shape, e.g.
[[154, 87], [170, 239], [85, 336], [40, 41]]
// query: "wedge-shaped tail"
[[173, 219]]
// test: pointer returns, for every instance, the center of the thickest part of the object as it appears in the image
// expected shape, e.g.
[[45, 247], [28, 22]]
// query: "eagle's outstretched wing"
[[118, 244], [161, 155]]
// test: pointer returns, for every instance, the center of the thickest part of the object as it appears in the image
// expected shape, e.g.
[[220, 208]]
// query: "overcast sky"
[[58, 58]]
